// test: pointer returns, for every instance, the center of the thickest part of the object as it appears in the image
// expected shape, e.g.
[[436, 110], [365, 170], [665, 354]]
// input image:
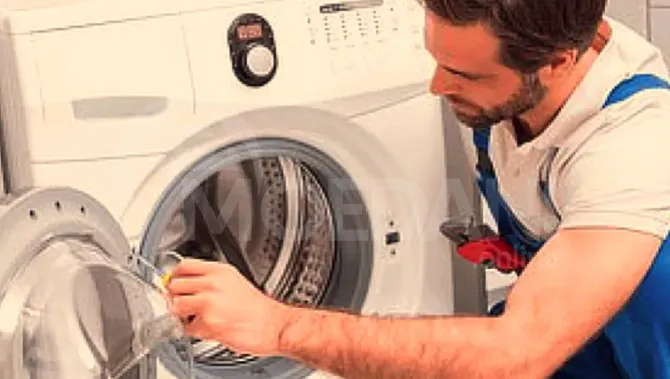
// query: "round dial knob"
[[259, 61]]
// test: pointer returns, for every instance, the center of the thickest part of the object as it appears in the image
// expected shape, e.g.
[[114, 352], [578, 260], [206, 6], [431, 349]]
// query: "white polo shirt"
[[605, 167]]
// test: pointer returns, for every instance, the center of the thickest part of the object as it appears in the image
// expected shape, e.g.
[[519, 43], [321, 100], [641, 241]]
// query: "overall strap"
[[509, 227], [633, 85]]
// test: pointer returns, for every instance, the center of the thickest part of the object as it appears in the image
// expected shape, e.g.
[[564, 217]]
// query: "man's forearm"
[[356, 347]]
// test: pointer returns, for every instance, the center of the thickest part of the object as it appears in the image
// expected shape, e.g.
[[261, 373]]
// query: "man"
[[542, 75]]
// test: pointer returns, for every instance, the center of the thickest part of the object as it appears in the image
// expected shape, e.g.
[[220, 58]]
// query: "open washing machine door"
[[307, 204], [71, 305]]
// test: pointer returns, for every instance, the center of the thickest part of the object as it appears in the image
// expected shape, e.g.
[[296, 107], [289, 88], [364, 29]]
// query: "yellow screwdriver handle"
[[165, 279]]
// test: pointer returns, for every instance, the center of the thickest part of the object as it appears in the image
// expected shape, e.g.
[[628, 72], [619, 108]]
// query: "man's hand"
[[226, 307]]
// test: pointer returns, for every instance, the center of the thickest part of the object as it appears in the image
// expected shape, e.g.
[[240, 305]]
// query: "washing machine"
[[295, 139]]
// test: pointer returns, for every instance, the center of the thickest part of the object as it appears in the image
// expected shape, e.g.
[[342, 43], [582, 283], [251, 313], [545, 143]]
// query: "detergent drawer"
[[114, 86]]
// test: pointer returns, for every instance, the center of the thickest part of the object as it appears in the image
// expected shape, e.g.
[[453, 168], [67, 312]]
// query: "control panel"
[[252, 49]]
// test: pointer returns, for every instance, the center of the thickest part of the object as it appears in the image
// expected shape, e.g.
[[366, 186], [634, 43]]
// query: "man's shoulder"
[[642, 113], [631, 42], [639, 123], [631, 53]]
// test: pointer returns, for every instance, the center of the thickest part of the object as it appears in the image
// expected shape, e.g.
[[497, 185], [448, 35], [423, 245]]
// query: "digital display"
[[251, 31]]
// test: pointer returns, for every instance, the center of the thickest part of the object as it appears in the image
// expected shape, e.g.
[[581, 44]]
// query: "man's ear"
[[559, 67]]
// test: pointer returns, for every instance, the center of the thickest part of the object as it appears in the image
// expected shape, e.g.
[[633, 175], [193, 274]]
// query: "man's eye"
[[470, 77]]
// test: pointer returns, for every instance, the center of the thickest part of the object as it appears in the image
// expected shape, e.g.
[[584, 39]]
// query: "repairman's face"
[[469, 74]]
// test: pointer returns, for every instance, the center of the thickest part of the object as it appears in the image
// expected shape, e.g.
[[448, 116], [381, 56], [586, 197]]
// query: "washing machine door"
[[70, 303]]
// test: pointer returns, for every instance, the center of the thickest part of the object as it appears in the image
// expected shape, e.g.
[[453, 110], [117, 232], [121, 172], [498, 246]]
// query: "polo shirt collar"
[[589, 96]]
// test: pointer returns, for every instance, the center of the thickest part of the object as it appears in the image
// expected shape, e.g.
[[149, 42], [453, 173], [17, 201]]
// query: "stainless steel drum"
[[270, 218]]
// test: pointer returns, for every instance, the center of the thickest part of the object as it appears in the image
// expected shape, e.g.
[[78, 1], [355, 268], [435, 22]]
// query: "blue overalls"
[[635, 344]]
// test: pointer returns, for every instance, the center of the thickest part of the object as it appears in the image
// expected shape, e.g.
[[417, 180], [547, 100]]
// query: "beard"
[[530, 93]]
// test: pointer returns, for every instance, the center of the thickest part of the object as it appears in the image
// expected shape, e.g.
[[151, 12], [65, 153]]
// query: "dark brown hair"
[[530, 31]]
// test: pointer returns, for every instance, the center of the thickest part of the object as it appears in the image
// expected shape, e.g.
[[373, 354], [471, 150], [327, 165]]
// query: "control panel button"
[[259, 61]]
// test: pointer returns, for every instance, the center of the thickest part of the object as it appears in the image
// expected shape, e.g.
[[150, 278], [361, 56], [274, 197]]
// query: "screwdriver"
[[164, 275]]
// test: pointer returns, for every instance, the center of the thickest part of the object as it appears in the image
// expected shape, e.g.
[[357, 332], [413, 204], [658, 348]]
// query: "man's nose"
[[443, 83]]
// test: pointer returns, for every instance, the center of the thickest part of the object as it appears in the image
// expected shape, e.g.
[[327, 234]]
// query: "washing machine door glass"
[[71, 306]]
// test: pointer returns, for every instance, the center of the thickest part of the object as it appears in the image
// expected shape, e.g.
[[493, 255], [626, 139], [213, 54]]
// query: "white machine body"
[[122, 99]]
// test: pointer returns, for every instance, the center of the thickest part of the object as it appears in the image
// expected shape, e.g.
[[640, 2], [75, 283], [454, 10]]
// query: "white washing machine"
[[295, 136]]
